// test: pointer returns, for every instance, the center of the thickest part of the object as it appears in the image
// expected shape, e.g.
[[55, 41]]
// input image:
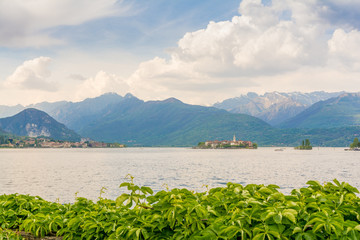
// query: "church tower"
[[234, 138]]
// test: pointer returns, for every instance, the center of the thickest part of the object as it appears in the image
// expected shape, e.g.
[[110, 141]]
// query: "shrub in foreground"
[[328, 211]]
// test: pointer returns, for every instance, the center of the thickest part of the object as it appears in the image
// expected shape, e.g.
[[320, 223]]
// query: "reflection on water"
[[60, 173]]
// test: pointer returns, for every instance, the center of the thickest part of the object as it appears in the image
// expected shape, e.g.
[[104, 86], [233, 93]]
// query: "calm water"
[[60, 173]]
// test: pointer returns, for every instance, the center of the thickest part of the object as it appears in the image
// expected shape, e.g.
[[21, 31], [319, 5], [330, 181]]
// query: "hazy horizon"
[[123, 95]]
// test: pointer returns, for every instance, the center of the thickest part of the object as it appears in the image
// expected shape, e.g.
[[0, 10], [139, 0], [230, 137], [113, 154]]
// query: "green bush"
[[328, 211]]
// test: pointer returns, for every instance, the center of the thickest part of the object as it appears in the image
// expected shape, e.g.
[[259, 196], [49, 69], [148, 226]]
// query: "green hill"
[[342, 111], [171, 123], [33, 123]]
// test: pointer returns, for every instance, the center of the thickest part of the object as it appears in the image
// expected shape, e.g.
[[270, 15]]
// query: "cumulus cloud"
[[344, 48], [26, 23], [32, 74], [101, 83], [261, 47]]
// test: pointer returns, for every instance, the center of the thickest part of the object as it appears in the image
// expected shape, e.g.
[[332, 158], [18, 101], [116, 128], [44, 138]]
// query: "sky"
[[200, 52]]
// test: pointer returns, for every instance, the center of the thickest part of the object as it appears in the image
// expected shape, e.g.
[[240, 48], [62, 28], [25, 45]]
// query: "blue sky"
[[198, 51], [148, 27]]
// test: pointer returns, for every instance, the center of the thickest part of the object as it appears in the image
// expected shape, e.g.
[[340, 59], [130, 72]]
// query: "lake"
[[59, 174]]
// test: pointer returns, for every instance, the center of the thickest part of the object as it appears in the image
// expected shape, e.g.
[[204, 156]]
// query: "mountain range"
[[274, 107], [341, 111], [129, 120]]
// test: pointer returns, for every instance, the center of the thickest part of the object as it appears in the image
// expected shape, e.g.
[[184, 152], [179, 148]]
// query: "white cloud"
[[285, 46], [102, 83], [32, 75], [344, 48], [262, 47], [26, 23]]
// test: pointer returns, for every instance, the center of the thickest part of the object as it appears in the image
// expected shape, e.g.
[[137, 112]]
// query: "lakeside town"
[[42, 142]]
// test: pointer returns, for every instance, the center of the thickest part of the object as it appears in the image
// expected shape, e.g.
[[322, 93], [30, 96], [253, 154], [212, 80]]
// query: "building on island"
[[227, 144]]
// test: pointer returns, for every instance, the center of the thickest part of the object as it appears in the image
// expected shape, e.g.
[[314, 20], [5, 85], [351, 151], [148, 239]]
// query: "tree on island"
[[305, 145], [355, 143]]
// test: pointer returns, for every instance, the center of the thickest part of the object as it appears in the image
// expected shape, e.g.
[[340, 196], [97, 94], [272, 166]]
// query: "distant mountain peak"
[[172, 100], [129, 95], [33, 113], [33, 110], [252, 94], [33, 123]]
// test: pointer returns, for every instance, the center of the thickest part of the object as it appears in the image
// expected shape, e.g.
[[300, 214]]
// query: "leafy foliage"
[[328, 211], [9, 235]]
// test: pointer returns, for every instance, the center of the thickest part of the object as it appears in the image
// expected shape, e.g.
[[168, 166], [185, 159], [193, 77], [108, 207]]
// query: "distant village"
[[225, 144], [30, 142]]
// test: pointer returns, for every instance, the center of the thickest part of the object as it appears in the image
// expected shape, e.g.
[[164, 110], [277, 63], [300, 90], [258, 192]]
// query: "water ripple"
[[60, 173]]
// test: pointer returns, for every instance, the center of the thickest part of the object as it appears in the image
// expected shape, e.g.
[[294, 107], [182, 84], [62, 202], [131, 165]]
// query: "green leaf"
[[138, 231], [290, 215], [121, 199], [275, 234], [268, 215], [350, 188], [318, 226], [278, 218], [309, 236], [314, 183], [260, 236], [124, 184], [146, 190], [297, 230], [265, 190], [145, 233], [357, 228]]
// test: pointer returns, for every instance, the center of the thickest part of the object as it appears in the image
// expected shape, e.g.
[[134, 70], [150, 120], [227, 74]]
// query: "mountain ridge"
[[34, 123], [274, 107], [169, 121], [341, 111]]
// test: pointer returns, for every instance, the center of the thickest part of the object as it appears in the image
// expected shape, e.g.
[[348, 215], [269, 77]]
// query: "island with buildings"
[[226, 144], [43, 142]]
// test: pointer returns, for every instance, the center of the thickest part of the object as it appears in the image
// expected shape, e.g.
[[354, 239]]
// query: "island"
[[44, 142], [305, 145], [226, 144], [354, 146]]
